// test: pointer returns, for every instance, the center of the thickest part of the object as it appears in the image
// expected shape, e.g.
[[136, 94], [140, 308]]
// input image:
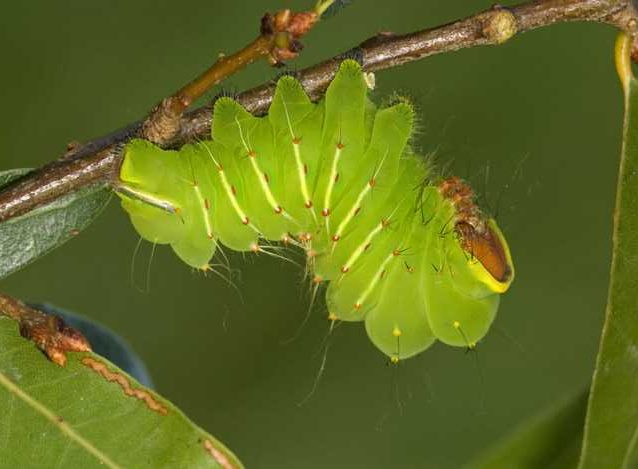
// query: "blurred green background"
[[535, 124]]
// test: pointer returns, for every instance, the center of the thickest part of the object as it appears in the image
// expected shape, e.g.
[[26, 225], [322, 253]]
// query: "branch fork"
[[279, 41]]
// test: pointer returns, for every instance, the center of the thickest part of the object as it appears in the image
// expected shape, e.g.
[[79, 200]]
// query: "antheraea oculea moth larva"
[[409, 254]]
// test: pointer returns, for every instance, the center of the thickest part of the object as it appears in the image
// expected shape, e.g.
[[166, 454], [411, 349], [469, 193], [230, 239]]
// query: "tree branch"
[[97, 162]]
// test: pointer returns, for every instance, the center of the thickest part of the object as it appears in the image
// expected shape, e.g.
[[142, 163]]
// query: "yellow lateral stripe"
[[202, 204], [375, 280], [331, 181], [301, 172], [352, 212], [233, 200], [264, 185], [357, 204], [301, 169], [267, 192], [229, 192], [270, 198], [362, 247]]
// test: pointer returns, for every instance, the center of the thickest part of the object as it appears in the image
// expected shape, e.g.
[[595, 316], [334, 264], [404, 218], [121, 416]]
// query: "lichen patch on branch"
[[500, 25]]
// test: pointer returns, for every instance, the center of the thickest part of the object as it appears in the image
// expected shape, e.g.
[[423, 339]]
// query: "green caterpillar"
[[413, 257]]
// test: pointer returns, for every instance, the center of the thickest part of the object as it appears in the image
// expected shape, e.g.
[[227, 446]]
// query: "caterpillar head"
[[488, 257]]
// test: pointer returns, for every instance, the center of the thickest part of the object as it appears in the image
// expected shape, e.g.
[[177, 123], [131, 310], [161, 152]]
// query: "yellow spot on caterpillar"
[[456, 324], [396, 332], [394, 359], [332, 317]]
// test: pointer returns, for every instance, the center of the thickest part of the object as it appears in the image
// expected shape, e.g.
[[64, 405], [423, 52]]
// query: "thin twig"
[[98, 162], [278, 40]]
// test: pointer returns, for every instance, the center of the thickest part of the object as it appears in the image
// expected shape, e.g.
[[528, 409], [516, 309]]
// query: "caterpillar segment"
[[409, 254]]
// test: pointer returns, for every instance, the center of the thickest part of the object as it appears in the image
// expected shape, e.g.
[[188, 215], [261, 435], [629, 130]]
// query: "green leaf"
[[550, 440], [11, 175], [611, 428], [90, 414], [25, 238]]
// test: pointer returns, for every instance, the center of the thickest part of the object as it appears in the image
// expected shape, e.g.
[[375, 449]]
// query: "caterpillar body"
[[409, 254]]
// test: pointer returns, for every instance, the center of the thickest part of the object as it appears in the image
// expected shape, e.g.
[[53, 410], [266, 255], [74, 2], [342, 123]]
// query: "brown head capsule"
[[478, 235], [487, 247]]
